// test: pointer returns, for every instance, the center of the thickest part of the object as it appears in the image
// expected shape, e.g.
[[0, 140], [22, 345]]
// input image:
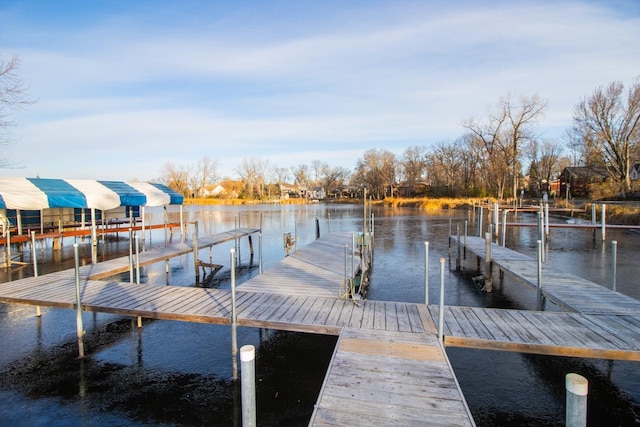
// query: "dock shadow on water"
[[53, 387]]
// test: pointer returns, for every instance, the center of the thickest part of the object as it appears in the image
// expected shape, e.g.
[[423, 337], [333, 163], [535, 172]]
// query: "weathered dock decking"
[[404, 332], [568, 291], [122, 265], [612, 337], [317, 270], [381, 378], [379, 342]]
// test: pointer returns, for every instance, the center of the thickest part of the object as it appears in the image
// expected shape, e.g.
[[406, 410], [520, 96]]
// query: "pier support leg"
[[248, 387], [488, 279], [577, 389], [79, 327], [234, 327]]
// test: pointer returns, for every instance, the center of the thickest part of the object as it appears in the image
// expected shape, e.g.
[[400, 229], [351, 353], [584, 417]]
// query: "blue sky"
[[125, 86]]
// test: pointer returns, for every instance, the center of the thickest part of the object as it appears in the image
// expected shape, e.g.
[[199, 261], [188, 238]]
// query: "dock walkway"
[[379, 342], [568, 291], [115, 266]]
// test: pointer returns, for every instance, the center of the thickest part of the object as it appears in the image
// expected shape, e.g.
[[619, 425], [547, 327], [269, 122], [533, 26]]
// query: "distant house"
[[346, 192], [635, 172], [419, 188], [214, 191], [575, 181], [315, 193]]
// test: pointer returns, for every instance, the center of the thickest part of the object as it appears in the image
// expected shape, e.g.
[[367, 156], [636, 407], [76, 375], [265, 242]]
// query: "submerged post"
[[234, 326], [577, 388], [426, 273], [248, 385], [441, 305], [79, 327]]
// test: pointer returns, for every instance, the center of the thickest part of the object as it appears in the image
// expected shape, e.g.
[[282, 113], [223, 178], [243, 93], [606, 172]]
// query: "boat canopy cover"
[[43, 193]]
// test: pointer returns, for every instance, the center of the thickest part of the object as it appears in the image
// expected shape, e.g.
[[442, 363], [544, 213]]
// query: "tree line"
[[497, 155]]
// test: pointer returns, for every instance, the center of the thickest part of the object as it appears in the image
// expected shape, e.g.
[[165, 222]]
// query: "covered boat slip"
[[37, 208]]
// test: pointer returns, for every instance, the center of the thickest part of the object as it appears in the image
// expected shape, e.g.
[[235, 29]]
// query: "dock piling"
[[604, 222], [234, 326], [458, 249], [426, 273], [441, 305], [138, 271], [260, 252], [130, 255], [466, 231], [248, 385], [614, 263], [577, 389], [79, 327], [539, 287], [488, 280]]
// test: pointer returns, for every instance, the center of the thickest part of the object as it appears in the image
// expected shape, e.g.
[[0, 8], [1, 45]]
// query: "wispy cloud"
[[151, 82]]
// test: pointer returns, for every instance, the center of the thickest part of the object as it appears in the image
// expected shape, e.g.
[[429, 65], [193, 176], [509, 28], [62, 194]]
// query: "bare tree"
[[413, 163], [318, 168], [13, 97], [522, 117], [504, 135], [203, 175], [300, 175], [489, 137], [254, 173], [177, 178], [377, 171], [611, 126], [281, 175], [334, 177]]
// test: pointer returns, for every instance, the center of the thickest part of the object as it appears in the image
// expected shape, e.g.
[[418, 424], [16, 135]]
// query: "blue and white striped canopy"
[[39, 193]]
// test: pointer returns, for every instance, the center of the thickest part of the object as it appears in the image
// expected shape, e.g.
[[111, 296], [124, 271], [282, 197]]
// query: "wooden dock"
[[612, 337], [568, 291], [122, 265], [379, 342], [382, 378], [317, 270]]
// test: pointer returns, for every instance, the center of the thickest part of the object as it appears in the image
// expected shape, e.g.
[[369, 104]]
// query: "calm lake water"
[[176, 373]]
